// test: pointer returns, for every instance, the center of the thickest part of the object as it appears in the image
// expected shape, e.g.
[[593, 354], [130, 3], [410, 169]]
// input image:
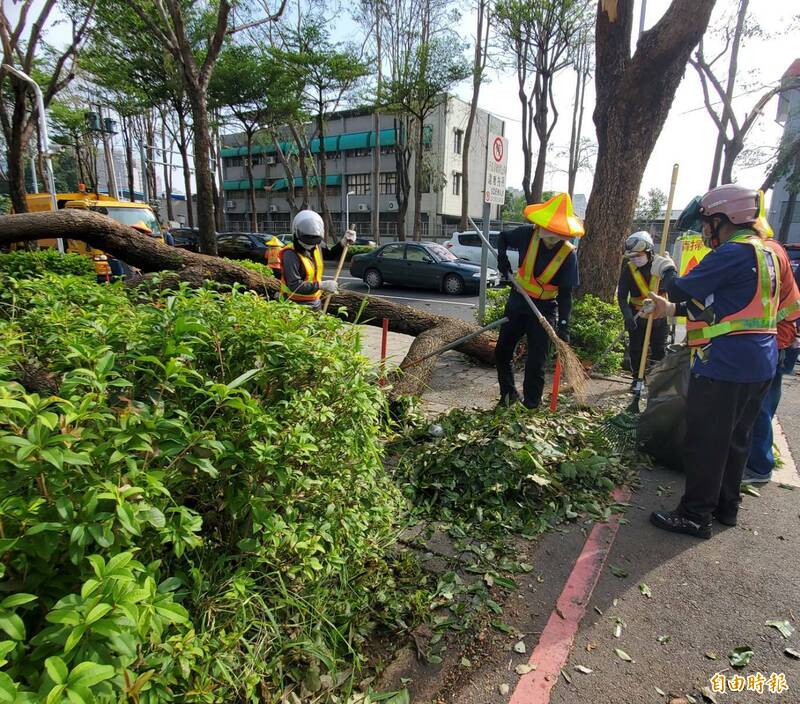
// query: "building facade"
[[789, 117], [349, 148]]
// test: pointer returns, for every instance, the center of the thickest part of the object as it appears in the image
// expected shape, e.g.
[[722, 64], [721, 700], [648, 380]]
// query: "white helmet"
[[639, 242], [308, 227]]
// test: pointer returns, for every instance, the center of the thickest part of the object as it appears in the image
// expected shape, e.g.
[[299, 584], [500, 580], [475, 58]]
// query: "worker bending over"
[[731, 299], [301, 263], [548, 272], [636, 281]]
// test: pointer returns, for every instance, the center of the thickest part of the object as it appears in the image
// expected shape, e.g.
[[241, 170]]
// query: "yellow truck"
[[139, 215]]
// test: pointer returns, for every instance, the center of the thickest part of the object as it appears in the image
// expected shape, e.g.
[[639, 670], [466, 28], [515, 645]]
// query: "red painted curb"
[[555, 644]]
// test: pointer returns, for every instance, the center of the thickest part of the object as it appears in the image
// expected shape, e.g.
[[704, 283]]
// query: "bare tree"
[[539, 38], [579, 151], [24, 48], [480, 58], [634, 95]]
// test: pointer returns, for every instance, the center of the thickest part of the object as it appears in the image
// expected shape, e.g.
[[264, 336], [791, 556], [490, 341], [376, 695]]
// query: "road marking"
[[787, 472], [553, 649]]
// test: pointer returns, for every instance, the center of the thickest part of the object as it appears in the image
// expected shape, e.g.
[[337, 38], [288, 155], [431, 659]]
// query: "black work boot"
[[508, 400], [678, 523], [726, 518]]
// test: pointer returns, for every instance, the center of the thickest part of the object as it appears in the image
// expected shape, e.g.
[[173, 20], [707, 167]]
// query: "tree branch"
[[36, 31]]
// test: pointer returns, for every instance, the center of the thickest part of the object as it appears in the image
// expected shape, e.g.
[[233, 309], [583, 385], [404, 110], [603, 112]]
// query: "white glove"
[[329, 286], [661, 264], [348, 238], [656, 306]]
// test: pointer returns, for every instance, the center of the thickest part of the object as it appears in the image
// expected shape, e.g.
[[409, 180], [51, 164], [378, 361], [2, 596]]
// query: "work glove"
[[348, 238], [563, 331], [656, 307], [329, 286], [661, 264], [503, 265]]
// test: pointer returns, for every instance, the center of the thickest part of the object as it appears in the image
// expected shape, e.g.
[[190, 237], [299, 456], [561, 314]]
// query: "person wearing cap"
[[301, 261], [635, 283], [548, 272], [731, 300]]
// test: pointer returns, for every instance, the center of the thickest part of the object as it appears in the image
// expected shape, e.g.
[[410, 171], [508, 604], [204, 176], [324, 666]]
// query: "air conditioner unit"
[[362, 207], [273, 208], [230, 205], [391, 205], [271, 161]]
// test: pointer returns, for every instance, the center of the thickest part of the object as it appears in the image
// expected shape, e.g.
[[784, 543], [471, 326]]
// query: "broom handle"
[[336, 275], [551, 333], [661, 249]]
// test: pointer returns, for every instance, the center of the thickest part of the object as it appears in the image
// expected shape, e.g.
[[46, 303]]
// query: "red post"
[[384, 341], [556, 383]]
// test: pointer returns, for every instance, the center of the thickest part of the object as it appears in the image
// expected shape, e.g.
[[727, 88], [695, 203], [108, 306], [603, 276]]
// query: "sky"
[[688, 135]]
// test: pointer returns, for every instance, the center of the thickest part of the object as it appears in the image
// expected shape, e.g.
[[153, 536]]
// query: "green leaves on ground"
[[741, 656], [786, 629]]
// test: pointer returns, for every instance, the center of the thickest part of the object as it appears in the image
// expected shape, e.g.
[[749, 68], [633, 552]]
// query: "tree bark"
[[201, 131], [418, 151], [167, 159], [183, 148], [634, 95], [128, 141], [151, 255], [322, 180]]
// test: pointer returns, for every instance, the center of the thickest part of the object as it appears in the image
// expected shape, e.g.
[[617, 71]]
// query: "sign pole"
[[494, 192]]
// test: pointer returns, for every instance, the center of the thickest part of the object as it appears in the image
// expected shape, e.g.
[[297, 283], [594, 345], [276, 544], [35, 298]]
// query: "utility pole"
[[106, 128]]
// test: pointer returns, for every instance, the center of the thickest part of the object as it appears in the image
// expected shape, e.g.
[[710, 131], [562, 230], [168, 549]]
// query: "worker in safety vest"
[[273, 256], [548, 272], [302, 263], [732, 302], [635, 283]]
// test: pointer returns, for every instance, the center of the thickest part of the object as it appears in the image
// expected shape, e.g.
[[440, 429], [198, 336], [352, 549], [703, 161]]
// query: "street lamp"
[[347, 209], [44, 139]]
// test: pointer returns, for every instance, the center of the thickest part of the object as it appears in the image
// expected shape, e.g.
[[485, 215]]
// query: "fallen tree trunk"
[[152, 255]]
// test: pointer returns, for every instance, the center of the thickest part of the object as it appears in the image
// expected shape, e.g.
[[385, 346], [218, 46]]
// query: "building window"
[[387, 183], [257, 160], [234, 161], [358, 152], [456, 183], [458, 136], [359, 184]]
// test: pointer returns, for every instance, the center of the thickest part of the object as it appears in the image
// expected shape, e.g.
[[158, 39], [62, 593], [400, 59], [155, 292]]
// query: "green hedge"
[[594, 325], [22, 264], [201, 513]]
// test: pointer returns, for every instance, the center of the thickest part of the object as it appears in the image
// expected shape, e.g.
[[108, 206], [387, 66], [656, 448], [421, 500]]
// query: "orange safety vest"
[[274, 257], [541, 288], [758, 316], [637, 301], [313, 272]]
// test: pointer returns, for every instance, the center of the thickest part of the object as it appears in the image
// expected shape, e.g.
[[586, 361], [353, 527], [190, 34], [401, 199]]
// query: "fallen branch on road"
[[151, 255]]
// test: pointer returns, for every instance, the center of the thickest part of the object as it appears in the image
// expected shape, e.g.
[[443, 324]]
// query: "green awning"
[[243, 184], [282, 184], [355, 140], [388, 138]]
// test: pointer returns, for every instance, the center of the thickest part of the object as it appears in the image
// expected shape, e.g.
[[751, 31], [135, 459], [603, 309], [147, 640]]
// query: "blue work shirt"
[[566, 278], [727, 278]]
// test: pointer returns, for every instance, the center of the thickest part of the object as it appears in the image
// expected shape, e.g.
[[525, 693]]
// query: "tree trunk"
[[478, 64], [150, 132], [167, 159], [201, 130], [18, 142], [303, 164], [526, 144], [634, 95], [128, 140], [375, 215], [788, 216], [402, 160], [322, 179], [418, 151], [183, 148], [150, 255], [288, 169], [219, 186], [251, 189], [733, 147]]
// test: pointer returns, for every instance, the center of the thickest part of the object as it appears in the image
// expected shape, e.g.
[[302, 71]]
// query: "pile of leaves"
[[594, 324], [509, 470], [200, 514], [22, 264]]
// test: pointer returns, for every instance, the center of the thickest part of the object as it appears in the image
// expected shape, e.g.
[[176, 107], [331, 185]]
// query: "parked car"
[[422, 265], [467, 245], [185, 237], [243, 245], [365, 242]]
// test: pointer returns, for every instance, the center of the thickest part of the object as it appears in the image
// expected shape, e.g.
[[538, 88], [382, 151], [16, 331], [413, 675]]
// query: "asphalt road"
[[462, 306]]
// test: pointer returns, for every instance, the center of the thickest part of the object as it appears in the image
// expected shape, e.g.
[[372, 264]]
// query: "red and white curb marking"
[[555, 644]]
